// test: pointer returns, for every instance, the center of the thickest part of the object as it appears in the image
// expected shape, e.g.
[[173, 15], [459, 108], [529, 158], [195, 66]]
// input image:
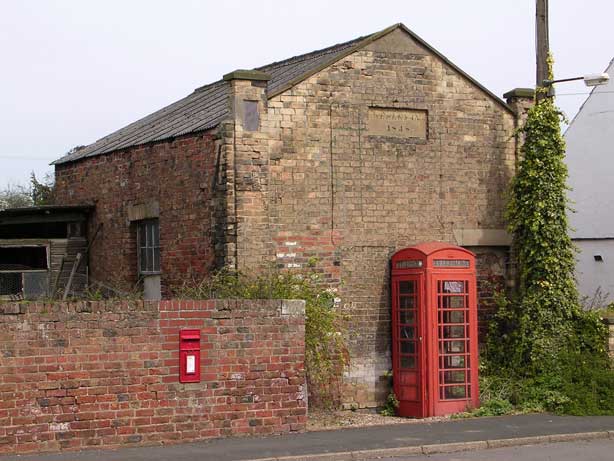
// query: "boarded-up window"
[[148, 238]]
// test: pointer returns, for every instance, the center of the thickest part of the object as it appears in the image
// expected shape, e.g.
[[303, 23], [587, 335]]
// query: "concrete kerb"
[[442, 447]]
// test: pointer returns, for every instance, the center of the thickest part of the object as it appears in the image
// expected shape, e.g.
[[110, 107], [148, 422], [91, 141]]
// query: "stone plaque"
[[398, 123]]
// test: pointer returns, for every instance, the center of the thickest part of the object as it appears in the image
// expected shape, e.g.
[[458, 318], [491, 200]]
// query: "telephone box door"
[[408, 323], [453, 380]]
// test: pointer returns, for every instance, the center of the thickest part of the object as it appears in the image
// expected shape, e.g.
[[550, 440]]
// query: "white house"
[[590, 158]]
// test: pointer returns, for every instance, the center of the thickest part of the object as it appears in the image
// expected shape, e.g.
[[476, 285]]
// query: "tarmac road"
[[594, 450]]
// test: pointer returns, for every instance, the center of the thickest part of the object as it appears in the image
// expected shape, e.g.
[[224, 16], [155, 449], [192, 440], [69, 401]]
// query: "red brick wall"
[[96, 374], [179, 174]]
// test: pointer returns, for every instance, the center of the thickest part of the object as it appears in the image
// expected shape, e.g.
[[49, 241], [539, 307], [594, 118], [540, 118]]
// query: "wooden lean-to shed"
[[40, 247]]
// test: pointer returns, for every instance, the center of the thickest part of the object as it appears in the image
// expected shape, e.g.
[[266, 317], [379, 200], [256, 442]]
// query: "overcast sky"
[[73, 71]]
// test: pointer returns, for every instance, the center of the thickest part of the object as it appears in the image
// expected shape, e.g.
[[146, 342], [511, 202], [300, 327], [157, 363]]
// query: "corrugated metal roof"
[[205, 108]]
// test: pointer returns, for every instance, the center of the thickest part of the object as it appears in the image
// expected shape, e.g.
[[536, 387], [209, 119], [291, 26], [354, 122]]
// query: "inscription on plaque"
[[398, 123]]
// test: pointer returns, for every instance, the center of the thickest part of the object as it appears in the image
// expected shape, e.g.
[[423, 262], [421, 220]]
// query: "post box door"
[[189, 356], [408, 350], [453, 371]]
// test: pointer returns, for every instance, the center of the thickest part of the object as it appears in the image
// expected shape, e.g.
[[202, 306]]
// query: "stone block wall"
[[348, 196], [178, 177], [105, 374]]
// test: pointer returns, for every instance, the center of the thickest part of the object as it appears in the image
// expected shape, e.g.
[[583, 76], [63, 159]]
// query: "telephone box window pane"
[[454, 377], [454, 392], [454, 332], [408, 302], [408, 333], [453, 287], [407, 317], [453, 361], [409, 264], [454, 317], [452, 347], [453, 302], [406, 287], [451, 263], [408, 361], [408, 347]]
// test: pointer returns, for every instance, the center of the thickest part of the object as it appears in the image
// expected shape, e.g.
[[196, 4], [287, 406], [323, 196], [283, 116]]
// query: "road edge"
[[442, 447]]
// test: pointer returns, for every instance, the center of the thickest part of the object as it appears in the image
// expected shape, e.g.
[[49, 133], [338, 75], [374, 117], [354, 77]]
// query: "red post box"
[[189, 356], [434, 330]]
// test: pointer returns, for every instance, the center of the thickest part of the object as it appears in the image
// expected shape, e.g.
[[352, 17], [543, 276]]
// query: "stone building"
[[343, 156]]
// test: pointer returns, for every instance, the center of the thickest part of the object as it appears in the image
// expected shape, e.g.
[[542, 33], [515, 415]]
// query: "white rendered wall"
[[593, 274], [590, 159]]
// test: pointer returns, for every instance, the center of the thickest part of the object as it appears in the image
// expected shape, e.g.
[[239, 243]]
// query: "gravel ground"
[[329, 420]]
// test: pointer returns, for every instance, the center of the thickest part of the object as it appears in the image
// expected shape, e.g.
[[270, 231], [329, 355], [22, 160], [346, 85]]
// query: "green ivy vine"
[[547, 352]]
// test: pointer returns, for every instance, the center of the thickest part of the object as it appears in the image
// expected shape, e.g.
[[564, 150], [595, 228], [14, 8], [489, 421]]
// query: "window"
[[23, 258], [148, 242], [23, 271], [10, 283]]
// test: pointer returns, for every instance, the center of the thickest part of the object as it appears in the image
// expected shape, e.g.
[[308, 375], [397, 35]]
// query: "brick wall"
[[105, 374], [315, 184], [179, 175]]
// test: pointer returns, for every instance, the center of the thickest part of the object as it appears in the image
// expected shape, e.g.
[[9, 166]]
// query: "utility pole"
[[542, 47]]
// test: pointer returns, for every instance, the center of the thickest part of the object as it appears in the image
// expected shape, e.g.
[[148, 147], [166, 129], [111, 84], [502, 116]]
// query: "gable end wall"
[[313, 184]]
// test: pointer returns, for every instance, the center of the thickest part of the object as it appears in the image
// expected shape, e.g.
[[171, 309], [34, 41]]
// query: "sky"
[[72, 71]]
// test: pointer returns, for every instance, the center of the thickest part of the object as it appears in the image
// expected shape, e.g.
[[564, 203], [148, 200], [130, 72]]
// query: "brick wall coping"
[[289, 307]]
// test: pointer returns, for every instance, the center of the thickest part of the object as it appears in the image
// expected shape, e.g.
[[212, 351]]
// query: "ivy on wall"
[[543, 348]]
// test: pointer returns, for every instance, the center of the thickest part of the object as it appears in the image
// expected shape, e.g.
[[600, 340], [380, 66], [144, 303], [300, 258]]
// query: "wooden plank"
[[54, 288], [72, 275]]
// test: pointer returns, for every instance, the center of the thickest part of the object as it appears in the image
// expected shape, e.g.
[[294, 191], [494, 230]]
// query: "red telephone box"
[[434, 330]]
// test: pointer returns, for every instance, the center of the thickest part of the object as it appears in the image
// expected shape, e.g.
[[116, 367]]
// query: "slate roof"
[[207, 106]]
